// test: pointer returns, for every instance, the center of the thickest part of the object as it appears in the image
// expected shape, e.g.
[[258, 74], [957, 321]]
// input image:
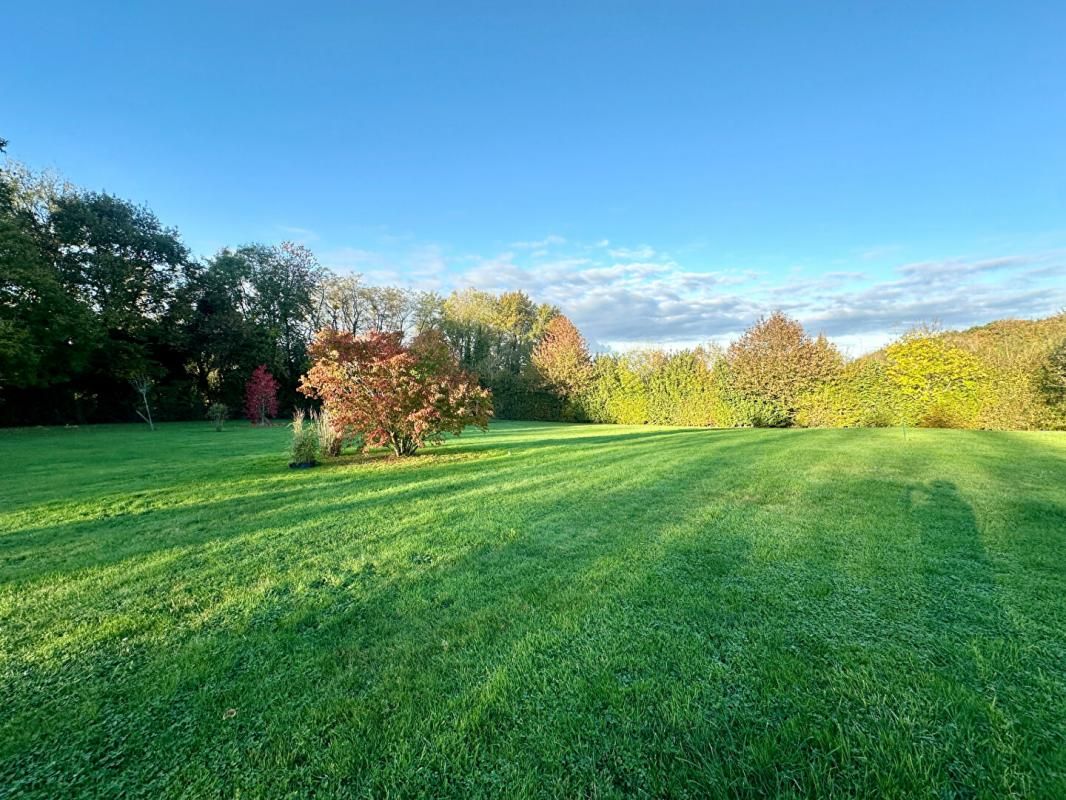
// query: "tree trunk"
[[402, 445], [143, 386]]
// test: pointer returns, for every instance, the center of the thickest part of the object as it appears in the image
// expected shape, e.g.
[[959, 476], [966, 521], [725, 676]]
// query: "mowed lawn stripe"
[[543, 610]]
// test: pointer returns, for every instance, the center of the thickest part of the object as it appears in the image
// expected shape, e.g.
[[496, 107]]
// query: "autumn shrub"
[[774, 363], [391, 394], [560, 363]]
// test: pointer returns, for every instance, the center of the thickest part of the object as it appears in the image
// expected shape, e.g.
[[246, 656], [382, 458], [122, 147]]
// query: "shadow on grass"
[[125, 525], [654, 617], [295, 642]]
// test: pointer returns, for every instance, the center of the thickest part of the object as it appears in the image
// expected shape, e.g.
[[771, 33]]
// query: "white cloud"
[[550, 240], [626, 298], [642, 252]]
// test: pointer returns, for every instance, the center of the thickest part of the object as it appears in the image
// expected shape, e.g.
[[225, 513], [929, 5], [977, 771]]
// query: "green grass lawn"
[[544, 610]]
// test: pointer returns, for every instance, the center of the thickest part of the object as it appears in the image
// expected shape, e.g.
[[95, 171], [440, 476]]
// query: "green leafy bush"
[[936, 384], [218, 413], [756, 412], [616, 392], [859, 396], [1051, 378], [681, 389]]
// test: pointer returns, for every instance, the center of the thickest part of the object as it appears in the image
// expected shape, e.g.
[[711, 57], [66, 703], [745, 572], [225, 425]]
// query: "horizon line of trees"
[[99, 300], [1006, 375]]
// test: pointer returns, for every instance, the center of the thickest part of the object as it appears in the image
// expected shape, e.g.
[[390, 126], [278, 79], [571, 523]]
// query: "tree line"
[[1009, 374], [98, 298], [104, 311]]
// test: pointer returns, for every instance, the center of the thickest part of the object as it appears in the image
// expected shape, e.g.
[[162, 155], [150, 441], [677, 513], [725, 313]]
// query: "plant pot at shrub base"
[[302, 464]]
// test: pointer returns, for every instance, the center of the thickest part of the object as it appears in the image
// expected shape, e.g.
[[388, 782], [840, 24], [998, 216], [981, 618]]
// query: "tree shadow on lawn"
[[628, 637], [816, 681], [1030, 472], [175, 552], [388, 614], [920, 647], [1020, 495], [651, 435], [849, 686], [567, 560], [126, 524], [780, 675], [969, 659]]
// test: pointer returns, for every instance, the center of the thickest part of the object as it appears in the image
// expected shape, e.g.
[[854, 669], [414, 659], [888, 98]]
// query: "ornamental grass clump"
[[330, 439], [305, 443]]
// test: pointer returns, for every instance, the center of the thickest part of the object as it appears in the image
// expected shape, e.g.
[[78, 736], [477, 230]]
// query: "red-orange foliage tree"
[[561, 358], [261, 396], [395, 396]]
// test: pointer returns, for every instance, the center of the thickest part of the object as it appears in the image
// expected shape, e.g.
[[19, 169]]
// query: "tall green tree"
[[469, 326], [282, 284], [45, 333], [219, 335], [125, 265]]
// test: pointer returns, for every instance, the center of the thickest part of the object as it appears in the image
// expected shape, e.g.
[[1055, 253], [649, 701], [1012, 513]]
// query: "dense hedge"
[[514, 397], [994, 377]]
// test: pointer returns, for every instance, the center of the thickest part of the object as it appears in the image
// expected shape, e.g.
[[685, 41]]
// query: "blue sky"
[[665, 172]]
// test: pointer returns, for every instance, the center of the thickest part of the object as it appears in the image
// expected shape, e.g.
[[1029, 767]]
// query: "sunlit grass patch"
[[544, 610]]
